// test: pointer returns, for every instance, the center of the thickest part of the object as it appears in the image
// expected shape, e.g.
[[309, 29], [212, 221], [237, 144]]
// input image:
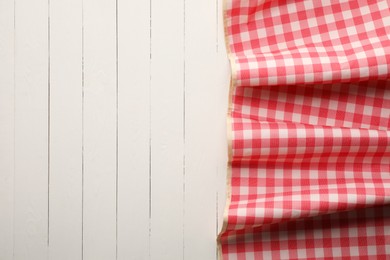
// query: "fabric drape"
[[308, 130]]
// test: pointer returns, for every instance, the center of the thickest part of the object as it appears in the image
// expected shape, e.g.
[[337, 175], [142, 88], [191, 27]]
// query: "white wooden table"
[[112, 129]]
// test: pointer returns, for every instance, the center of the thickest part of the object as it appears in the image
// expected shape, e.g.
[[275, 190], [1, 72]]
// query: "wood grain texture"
[[113, 137], [65, 150], [7, 128], [99, 130], [167, 129], [31, 130], [222, 92], [134, 129], [200, 142]]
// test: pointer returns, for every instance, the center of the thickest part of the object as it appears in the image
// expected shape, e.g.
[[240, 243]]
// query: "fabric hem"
[[229, 130]]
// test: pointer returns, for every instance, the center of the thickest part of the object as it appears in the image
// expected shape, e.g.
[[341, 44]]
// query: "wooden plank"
[[99, 201], [31, 130], [65, 186], [167, 135], [7, 128], [202, 130], [133, 129], [222, 87]]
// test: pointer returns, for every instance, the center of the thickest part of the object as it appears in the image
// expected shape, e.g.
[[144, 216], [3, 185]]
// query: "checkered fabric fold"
[[309, 138]]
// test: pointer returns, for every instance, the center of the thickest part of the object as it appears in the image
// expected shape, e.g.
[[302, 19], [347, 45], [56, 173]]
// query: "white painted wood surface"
[[113, 135], [65, 128]]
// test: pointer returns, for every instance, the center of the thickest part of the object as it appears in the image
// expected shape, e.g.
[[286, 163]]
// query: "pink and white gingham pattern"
[[310, 138], [293, 42]]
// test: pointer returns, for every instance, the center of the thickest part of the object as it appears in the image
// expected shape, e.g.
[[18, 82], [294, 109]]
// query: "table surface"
[[113, 129]]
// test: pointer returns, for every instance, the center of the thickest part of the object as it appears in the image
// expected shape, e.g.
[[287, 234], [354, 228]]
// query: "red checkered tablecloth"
[[309, 130]]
